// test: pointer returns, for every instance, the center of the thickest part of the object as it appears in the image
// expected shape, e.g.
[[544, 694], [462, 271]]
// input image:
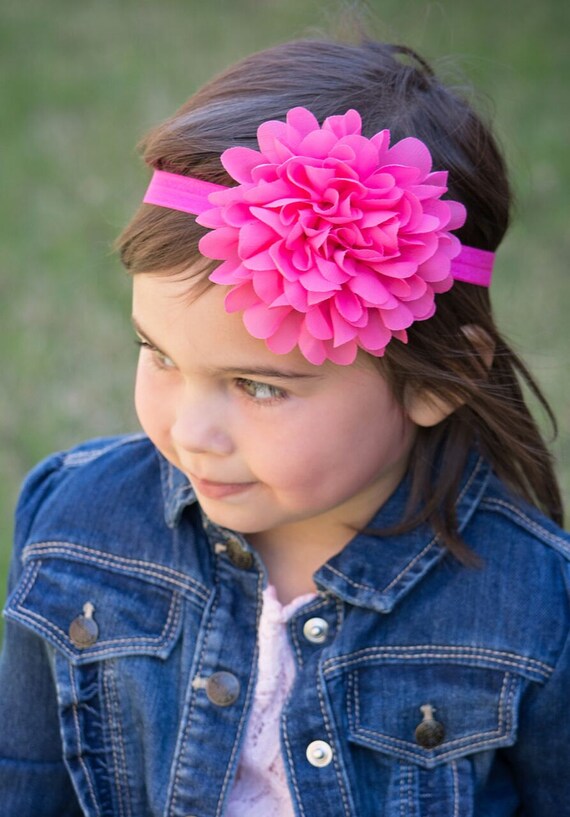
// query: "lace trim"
[[260, 788]]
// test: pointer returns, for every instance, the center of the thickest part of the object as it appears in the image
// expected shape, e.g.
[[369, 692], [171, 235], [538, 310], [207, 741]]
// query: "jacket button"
[[429, 733], [83, 630], [319, 753], [222, 688], [316, 630], [238, 556]]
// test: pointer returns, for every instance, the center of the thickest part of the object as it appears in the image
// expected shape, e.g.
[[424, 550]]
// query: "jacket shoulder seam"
[[81, 455], [518, 516]]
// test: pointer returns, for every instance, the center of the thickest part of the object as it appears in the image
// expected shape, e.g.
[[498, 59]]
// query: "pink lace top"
[[260, 787]]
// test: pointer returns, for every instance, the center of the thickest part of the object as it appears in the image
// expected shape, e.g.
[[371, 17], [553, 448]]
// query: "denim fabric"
[[125, 726]]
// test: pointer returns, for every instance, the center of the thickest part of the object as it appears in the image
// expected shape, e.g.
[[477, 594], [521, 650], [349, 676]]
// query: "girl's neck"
[[291, 557]]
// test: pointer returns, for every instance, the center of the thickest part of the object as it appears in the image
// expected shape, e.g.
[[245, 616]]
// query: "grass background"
[[81, 82]]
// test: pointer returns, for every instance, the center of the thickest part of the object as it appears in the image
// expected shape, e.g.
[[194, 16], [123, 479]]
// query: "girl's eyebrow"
[[266, 371], [258, 371], [139, 330]]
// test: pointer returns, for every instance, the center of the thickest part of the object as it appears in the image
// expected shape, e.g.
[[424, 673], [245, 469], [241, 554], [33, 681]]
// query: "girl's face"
[[272, 444]]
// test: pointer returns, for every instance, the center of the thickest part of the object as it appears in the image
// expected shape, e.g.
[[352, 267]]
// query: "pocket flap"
[[131, 615], [474, 709]]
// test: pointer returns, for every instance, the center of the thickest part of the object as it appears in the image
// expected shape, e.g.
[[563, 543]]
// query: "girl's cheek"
[[148, 406]]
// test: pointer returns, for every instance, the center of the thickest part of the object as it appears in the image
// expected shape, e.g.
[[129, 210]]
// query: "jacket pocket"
[[128, 612], [424, 725], [431, 713], [109, 623]]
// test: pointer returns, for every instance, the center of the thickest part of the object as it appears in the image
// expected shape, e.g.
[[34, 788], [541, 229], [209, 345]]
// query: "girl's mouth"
[[218, 490]]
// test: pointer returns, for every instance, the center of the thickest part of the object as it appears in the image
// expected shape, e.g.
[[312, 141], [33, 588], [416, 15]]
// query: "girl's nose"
[[200, 427]]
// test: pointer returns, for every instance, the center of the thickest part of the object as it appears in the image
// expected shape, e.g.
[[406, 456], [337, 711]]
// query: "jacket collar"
[[375, 572], [371, 571], [177, 492]]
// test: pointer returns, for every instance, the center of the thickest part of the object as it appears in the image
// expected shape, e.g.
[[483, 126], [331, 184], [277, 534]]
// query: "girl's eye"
[[160, 361], [263, 392]]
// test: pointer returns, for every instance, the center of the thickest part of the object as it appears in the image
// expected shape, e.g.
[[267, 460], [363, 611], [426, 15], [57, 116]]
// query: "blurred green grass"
[[81, 82]]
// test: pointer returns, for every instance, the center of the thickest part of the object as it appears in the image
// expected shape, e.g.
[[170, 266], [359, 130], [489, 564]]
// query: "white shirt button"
[[319, 753], [316, 630]]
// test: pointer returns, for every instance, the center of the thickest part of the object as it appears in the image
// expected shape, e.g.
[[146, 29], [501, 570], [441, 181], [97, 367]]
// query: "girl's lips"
[[218, 490]]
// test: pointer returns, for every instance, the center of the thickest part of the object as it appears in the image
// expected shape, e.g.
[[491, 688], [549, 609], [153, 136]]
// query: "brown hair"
[[392, 87]]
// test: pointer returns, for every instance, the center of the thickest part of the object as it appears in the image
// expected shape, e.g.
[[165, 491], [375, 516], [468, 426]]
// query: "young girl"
[[329, 577]]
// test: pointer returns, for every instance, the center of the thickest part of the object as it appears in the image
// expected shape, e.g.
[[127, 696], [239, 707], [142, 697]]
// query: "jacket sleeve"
[[541, 756], [33, 776]]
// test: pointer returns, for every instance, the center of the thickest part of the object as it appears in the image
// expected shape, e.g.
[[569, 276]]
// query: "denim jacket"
[[424, 688]]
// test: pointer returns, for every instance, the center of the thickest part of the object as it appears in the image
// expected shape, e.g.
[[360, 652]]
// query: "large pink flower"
[[331, 241]]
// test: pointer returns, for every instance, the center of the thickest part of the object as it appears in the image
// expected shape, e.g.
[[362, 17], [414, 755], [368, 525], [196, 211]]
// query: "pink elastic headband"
[[330, 241]]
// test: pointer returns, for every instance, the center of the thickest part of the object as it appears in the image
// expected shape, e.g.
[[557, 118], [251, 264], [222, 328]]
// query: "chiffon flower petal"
[[331, 241]]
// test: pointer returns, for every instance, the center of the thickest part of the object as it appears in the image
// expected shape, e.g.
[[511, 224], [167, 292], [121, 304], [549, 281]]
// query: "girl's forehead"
[[179, 316], [163, 294]]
